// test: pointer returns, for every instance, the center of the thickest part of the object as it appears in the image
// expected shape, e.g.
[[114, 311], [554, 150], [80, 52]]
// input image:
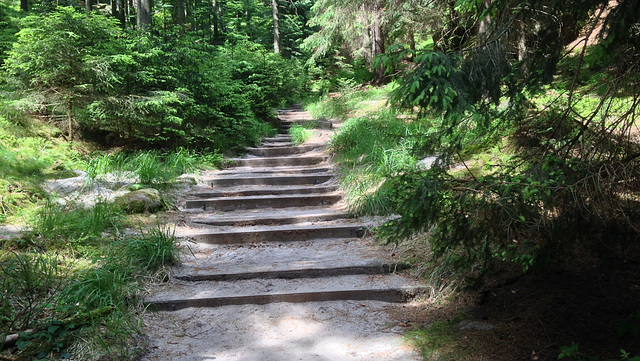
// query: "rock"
[[428, 161], [140, 201], [474, 325]]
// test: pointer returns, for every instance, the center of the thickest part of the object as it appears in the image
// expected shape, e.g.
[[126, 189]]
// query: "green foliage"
[[567, 155], [73, 226], [438, 341], [151, 167], [573, 353], [170, 93], [29, 153], [28, 284], [370, 152], [59, 300], [8, 28], [299, 134]]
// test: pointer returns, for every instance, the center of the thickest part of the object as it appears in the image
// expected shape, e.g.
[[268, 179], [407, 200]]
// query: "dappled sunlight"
[[352, 330]]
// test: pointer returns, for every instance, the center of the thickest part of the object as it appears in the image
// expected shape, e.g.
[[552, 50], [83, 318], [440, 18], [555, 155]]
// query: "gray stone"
[[140, 201]]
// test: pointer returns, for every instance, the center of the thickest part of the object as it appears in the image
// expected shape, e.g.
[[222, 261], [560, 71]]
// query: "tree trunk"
[[377, 42], [122, 14], [114, 8], [24, 5], [69, 115], [483, 26], [276, 27], [89, 5], [216, 22], [179, 15], [130, 10], [144, 15]]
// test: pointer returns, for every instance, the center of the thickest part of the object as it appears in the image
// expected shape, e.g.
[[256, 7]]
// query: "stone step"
[[304, 179], [285, 233], [262, 191], [279, 151], [263, 171], [272, 217], [184, 294], [288, 260], [317, 124], [282, 138], [274, 145], [227, 204], [277, 161], [310, 271]]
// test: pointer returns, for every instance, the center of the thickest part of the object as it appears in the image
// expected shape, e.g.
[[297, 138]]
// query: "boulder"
[[140, 201]]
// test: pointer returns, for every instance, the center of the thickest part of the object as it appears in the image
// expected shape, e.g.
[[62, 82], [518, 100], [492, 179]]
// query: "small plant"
[[573, 353], [60, 225], [439, 341], [299, 134], [151, 250], [151, 167]]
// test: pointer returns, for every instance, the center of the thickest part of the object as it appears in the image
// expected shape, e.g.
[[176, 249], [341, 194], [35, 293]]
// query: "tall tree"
[[144, 14], [179, 14], [24, 5], [276, 27]]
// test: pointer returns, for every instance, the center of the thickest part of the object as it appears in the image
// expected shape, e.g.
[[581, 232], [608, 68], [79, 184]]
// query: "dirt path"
[[278, 269]]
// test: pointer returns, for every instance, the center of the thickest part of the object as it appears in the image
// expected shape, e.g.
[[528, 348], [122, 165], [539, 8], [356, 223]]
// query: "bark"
[[131, 7], [483, 26], [89, 5], [178, 14], [377, 41], [216, 22], [114, 8], [70, 116], [276, 27], [24, 5], [122, 14], [144, 15]]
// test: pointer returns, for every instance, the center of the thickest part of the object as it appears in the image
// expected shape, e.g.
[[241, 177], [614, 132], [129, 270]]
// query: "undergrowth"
[[58, 302], [151, 167]]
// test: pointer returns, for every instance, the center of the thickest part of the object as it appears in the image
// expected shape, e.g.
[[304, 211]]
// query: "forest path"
[[278, 269]]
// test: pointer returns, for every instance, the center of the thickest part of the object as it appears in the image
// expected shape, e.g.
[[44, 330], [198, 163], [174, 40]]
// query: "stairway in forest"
[[272, 228]]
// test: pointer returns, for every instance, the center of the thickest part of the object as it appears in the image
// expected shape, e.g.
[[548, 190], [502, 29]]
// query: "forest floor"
[[533, 315]]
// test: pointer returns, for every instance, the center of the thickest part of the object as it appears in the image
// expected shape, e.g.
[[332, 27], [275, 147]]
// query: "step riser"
[[282, 151], [270, 181], [285, 139], [357, 295], [278, 162], [232, 204], [276, 145], [237, 172], [273, 221], [302, 273], [316, 124], [280, 235], [263, 192]]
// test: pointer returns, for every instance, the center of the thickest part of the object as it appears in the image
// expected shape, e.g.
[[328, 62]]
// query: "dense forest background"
[[503, 134]]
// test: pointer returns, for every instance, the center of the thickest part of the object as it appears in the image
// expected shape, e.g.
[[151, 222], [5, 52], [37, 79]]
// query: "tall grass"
[[299, 134], [151, 167], [72, 227], [66, 308], [29, 153], [369, 151]]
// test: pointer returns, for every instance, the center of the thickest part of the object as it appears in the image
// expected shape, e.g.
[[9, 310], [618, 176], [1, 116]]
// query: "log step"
[[275, 234], [305, 179], [227, 204]]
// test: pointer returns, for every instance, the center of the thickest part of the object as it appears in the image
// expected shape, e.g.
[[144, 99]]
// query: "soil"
[[531, 316]]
